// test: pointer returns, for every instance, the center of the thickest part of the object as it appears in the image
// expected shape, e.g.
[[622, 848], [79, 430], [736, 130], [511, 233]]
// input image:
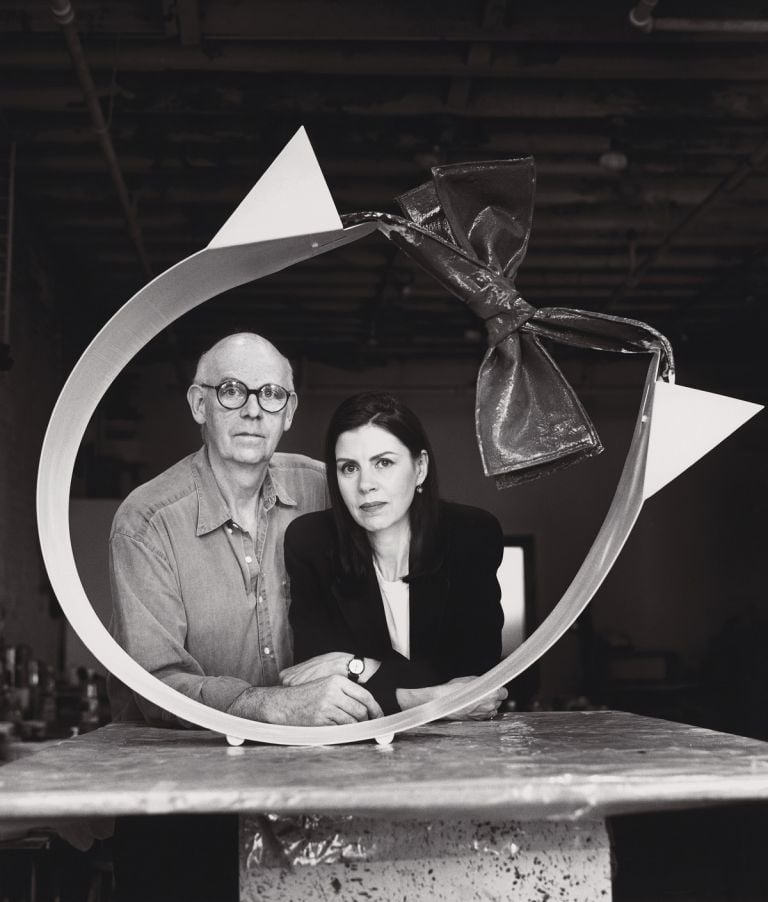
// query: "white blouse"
[[396, 597]]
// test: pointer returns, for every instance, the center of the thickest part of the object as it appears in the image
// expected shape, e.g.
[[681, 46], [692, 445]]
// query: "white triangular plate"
[[686, 424], [291, 198]]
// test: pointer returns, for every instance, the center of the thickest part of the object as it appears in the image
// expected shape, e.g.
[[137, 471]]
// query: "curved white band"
[[165, 299]]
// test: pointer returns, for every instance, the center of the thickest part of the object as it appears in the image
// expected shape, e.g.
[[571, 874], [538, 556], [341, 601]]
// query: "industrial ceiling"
[[650, 138]]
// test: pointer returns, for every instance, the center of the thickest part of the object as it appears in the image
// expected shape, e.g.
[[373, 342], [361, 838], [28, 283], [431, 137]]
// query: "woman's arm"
[[328, 664], [313, 621], [484, 709], [321, 639], [473, 634], [471, 639]]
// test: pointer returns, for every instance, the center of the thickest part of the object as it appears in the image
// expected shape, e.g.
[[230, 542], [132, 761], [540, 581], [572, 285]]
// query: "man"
[[200, 600], [199, 589]]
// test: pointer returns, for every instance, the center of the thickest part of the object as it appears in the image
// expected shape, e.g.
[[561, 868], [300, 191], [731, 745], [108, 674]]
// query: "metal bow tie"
[[469, 229]]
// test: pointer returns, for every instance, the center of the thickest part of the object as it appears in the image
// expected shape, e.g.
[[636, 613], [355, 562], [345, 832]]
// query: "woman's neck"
[[391, 549]]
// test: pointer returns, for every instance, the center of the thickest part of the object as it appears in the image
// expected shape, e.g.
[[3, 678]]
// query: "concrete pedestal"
[[349, 859], [505, 809]]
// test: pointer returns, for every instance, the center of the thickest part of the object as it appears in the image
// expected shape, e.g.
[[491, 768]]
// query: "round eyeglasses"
[[234, 394]]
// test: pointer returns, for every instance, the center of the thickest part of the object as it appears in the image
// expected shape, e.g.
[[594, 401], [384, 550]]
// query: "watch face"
[[356, 665]]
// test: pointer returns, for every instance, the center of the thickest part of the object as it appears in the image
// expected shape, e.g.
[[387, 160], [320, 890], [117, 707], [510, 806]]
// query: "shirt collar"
[[212, 510], [281, 493]]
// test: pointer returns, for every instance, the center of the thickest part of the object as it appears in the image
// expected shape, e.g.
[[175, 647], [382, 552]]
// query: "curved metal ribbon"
[[516, 355], [469, 229], [157, 305]]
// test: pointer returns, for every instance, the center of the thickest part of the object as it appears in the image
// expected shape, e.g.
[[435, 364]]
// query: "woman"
[[392, 586]]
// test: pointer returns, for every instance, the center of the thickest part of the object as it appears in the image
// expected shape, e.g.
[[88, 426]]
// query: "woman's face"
[[377, 477]]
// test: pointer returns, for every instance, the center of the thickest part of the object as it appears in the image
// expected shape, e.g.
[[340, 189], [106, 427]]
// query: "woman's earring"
[[419, 488]]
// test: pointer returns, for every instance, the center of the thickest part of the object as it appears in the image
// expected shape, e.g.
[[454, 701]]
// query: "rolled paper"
[[469, 228]]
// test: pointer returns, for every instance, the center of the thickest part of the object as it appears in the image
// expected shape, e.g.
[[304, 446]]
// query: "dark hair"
[[388, 412]]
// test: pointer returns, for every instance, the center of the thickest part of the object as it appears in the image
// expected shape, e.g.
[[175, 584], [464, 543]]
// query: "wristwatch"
[[355, 668]]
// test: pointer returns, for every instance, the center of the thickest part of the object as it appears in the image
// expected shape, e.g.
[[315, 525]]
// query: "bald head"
[[248, 434], [226, 355]]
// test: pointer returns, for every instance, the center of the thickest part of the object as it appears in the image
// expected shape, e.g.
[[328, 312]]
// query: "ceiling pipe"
[[641, 16], [6, 361], [65, 16], [9, 245], [729, 183]]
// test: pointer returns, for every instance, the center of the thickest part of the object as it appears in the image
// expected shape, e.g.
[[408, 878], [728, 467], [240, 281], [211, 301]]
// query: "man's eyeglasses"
[[234, 394]]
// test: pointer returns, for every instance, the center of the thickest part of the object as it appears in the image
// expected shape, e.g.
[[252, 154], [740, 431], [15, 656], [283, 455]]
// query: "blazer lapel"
[[428, 597], [362, 608]]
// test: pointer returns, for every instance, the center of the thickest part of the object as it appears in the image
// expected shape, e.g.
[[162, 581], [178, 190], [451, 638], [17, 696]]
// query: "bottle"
[[23, 694], [33, 673], [48, 709], [89, 702], [3, 687], [13, 711]]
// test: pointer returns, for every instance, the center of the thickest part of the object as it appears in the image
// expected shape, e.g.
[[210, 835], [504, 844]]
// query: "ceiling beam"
[[188, 17], [350, 20], [397, 97], [483, 60]]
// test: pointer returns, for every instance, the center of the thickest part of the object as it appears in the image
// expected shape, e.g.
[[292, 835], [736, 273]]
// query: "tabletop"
[[553, 765]]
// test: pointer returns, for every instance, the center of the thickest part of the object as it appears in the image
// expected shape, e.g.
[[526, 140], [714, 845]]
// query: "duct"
[[641, 16], [6, 338], [65, 15], [729, 183]]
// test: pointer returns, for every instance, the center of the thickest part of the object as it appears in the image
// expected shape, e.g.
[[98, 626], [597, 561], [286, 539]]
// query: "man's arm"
[[150, 622], [331, 700]]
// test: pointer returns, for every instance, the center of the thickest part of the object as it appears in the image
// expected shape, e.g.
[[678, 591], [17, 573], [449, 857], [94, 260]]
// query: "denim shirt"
[[198, 601]]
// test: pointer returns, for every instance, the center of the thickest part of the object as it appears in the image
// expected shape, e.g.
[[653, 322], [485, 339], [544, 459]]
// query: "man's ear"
[[290, 410], [196, 401]]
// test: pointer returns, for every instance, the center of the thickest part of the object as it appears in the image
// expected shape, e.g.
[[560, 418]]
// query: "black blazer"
[[455, 612]]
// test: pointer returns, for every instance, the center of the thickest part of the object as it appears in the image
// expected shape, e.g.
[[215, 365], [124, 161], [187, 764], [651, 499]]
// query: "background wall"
[[28, 391]]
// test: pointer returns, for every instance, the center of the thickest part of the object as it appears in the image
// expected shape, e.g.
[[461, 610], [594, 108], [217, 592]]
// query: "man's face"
[[248, 435]]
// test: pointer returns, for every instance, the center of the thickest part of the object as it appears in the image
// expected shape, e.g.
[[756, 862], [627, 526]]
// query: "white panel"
[[291, 198], [686, 423], [511, 576]]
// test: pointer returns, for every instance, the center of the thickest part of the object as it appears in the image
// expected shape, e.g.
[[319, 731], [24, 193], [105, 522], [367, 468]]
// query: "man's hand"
[[323, 702], [332, 663]]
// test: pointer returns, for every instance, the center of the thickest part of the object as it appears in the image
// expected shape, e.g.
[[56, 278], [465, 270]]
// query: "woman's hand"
[[332, 663], [485, 709]]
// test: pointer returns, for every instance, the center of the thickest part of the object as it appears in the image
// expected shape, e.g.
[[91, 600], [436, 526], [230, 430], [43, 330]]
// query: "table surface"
[[523, 766]]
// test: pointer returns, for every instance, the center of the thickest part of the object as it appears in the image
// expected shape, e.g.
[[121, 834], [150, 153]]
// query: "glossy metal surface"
[[469, 229]]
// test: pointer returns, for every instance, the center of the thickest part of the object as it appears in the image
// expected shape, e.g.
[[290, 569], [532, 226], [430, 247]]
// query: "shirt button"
[[229, 530], [266, 649], [248, 559], [261, 599]]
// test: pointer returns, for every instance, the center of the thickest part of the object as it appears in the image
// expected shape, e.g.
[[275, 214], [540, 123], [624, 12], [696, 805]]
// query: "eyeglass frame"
[[248, 393]]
